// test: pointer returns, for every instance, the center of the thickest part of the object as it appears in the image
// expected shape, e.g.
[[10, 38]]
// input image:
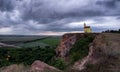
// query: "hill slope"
[[104, 55]]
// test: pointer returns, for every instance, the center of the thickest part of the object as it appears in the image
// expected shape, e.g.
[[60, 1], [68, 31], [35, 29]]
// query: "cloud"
[[6, 5], [5, 30], [108, 3], [57, 33], [51, 10], [47, 11], [40, 16]]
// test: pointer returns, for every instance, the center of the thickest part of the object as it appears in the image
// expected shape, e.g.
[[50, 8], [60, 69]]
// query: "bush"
[[25, 55], [59, 63]]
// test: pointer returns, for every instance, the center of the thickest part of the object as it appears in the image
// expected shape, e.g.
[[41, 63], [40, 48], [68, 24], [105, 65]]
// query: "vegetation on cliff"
[[81, 48]]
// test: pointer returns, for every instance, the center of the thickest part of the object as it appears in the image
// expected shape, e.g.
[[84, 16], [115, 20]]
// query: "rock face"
[[67, 41], [105, 50], [41, 66], [37, 66], [95, 53]]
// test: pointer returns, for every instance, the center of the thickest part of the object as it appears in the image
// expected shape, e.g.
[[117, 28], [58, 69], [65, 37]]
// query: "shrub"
[[59, 63], [25, 55]]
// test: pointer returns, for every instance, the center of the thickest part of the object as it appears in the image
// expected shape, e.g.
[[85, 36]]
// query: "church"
[[87, 29]]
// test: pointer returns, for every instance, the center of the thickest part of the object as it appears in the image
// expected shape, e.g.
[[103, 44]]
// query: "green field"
[[49, 41], [31, 41], [53, 41]]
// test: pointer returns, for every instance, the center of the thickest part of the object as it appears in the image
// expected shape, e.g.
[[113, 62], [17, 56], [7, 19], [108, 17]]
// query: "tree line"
[[112, 31]]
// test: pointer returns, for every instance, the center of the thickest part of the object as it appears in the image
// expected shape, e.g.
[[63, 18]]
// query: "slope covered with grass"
[[52, 41]]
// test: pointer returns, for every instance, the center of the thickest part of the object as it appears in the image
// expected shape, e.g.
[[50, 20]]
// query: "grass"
[[33, 44], [53, 41], [15, 68], [43, 42]]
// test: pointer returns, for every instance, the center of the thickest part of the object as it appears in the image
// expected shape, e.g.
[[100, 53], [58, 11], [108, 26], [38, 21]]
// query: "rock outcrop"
[[95, 53], [104, 52], [37, 66], [67, 41], [41, 67]]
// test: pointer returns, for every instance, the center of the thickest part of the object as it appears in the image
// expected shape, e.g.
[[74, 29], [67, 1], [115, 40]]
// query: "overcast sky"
[[55, 17]]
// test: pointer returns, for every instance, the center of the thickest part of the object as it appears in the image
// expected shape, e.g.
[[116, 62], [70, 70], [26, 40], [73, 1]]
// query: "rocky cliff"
[[104, 55], [67, 41]]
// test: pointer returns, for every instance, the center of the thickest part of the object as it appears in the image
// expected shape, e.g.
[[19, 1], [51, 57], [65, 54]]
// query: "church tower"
[[87, 29], [84, 24]]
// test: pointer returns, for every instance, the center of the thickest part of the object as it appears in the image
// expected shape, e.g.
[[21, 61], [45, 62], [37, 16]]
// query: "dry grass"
[[15, 68], [113, 46]]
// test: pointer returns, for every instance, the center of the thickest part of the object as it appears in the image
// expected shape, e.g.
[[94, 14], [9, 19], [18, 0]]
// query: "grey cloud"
[[54, 14], [108, 3], [45, 12], [49, 11], [6, 5]]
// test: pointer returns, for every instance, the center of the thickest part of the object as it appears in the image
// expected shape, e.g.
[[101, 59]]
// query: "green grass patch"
[[43, 42], [53, 41]]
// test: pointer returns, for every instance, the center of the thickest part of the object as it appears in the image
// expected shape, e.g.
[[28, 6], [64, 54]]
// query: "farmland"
[[30, 41]]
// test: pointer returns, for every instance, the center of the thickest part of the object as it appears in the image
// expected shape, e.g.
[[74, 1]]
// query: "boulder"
[[41, 66]]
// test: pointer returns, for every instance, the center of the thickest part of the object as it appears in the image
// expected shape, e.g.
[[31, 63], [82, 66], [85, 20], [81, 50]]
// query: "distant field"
[[12, 39], [30, 41], [51, 41]]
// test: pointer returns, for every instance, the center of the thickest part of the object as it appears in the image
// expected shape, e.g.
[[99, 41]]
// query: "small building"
[[87, 29]]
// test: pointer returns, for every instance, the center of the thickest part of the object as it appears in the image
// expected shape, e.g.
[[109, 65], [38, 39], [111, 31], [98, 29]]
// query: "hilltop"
[[104, 55]]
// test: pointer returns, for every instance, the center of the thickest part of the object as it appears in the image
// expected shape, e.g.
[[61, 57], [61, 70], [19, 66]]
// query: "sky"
[[56, 17]]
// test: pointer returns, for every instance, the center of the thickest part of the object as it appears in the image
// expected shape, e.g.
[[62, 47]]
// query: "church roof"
[[87, 27]]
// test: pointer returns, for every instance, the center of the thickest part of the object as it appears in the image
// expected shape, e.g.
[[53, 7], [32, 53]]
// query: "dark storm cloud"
[[45, 12], [6, 5], [49, 11], [55, 15], [108, 3]]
